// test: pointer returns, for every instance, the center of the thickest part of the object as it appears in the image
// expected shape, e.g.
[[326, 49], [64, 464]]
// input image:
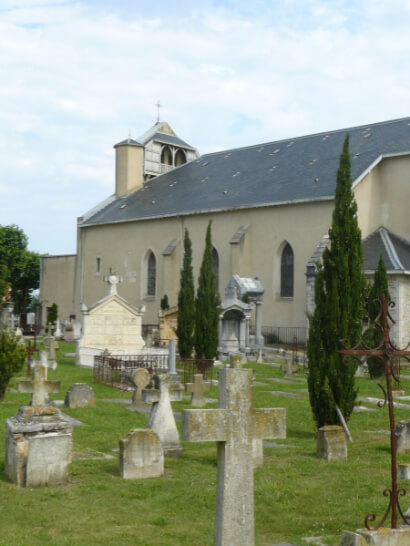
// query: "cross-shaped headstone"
[[198, 388], [140, 379], [39, 386], [52, 347], [112, 279], [161, 419], [233, 426]]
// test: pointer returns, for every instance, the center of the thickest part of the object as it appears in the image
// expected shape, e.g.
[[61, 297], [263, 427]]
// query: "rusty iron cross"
[[388, 353]]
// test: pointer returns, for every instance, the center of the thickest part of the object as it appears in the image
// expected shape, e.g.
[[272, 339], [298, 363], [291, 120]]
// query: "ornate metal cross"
[[387, 352]]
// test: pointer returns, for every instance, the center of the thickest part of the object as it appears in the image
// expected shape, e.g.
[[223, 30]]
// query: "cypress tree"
[[207, 305], [339, 299], [186, 303], [373, 336]]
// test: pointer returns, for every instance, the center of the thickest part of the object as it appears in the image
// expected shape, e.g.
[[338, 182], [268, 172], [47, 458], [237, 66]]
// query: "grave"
[[198, 388], [80, 395], [403, 435], [161, 419], [140, 378], [234, 426], [331, 443], [141, 455], [111, 324], [39, 436]]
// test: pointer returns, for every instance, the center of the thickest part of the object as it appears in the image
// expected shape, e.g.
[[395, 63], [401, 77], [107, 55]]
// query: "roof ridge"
[[391, 251], [301, 137]]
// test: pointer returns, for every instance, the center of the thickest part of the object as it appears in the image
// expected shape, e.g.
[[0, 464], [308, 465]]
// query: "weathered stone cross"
[[39, 385], [233, 426], [198, 388], [140, 379]]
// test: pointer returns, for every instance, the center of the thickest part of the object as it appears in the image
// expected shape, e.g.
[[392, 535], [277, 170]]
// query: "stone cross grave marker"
[[234, 426], [161, 419], [112, 279], [140, 379], [198, 388], [53, 346], [39, 386]]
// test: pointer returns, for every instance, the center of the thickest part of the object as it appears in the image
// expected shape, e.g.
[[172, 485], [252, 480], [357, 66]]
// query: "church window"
[[98, 266], [286, 272], [180, 158], [166, 156], [215, 266], [151, 274]]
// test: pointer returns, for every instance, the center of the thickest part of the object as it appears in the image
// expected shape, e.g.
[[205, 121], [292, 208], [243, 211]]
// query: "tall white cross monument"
[[233, 426]]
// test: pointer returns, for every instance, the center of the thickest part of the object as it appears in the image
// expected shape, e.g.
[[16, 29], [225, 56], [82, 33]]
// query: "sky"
[[77, 76]]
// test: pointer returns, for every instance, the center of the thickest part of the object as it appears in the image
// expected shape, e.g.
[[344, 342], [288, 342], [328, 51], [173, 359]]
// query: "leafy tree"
[[52, 314], [373, 336], [164, 303], [207, 305], [186, 303], [339, 299], [19, 267], [12, 358]]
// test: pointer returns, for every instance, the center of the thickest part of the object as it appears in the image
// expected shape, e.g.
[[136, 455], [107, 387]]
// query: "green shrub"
[[12, 358]]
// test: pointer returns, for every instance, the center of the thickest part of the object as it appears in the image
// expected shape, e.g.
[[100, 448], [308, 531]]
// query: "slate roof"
[[290, 170], [166, 138], [394, 250]]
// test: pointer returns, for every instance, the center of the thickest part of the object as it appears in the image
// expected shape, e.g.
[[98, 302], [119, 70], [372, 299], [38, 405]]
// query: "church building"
[[270, 205]]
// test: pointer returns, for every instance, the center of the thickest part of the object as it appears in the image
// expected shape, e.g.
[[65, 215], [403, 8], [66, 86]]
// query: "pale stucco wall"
[[124, 247], [57, 284]]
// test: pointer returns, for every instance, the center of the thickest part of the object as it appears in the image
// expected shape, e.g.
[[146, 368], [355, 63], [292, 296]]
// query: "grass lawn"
[[296, 494]]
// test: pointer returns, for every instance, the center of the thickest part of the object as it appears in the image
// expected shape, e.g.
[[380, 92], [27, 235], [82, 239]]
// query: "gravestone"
[[111, 323], [140, 379], [80, 395], [403, 435], [198, 388], [141, 455], [68, 332], [234, 426], [58, 334], [39, 436], [161, 419], [331, 443]]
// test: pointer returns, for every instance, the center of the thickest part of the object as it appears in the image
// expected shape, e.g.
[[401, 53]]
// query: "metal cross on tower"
[[158, 105], [387, 352]]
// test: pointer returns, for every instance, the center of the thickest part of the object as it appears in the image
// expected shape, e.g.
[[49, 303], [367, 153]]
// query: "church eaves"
[[287, 171]]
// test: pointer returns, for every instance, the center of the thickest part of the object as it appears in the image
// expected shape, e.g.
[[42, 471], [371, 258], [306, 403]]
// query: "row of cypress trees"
[[341, 298], [198, 317]]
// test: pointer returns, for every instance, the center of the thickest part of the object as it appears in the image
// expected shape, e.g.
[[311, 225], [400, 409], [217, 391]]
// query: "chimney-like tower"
[[129, 166]]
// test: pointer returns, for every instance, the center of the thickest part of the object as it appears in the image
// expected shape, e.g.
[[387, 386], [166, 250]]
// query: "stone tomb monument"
[[198, 388], [161, 419], [233, 426], [111, 324], [38, 437]]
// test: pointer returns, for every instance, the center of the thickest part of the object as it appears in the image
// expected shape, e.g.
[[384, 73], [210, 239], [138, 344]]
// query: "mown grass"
[[296, 494]]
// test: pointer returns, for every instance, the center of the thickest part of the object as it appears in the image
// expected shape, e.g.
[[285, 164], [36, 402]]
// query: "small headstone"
[[235, 360], [47, 458], [331, 443], [403, 436], [234, 426], [140, 379], [198, 388], [403, 471], [68, 332], [260, 357], [80, 395], [58, 334], [161, 419], [141, 455]]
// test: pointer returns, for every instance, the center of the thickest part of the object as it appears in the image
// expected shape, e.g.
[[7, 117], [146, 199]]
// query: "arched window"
[[180, 158], [215, 265], [166, 156], [151, 274], [286, 272]]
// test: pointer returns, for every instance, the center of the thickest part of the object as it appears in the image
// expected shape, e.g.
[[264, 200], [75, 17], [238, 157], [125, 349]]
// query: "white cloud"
[[75, 76]]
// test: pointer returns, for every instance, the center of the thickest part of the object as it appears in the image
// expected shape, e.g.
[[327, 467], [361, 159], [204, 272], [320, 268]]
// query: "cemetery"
[[121, 487]]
